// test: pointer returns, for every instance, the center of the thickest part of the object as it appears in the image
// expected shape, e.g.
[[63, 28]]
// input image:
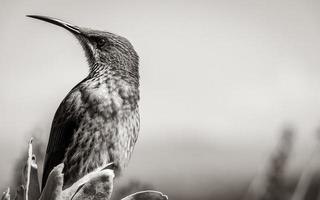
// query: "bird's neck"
[[98, 69], [103, 70]]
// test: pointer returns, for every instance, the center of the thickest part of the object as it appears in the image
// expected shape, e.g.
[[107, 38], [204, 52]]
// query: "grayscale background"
[[220, 80]]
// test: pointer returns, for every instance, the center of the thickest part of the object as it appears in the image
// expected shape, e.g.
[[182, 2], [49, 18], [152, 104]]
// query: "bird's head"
[[104, 48]]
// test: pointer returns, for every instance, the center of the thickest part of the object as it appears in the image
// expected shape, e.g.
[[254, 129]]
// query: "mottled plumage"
[[98, 121]]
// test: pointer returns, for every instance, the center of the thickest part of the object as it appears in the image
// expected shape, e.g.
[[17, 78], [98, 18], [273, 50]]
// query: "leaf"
[[34, 186], [53, 188], [95, 185], [31, 184], [20, 193], [98, 187], [28, 169], [146, 195], [102, 177], [6, 195]]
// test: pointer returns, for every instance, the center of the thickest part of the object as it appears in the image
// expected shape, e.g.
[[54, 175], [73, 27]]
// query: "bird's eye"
[[101, 42]]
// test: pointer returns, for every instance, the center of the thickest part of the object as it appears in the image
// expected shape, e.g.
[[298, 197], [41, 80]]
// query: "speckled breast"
[[108, 129]]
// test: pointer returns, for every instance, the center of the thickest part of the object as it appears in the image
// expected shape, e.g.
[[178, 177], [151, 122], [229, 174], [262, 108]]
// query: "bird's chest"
[[108, 119], [104, 98]]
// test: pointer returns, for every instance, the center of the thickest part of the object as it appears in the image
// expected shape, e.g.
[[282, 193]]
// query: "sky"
[[219, 79]]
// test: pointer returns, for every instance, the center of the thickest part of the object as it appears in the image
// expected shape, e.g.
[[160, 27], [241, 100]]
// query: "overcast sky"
[[219, 76]]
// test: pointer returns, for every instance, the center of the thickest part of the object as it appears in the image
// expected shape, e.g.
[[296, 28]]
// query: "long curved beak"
[[58, 22]]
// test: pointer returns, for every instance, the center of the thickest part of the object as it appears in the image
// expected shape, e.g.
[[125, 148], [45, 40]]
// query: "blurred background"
[[229, 91]]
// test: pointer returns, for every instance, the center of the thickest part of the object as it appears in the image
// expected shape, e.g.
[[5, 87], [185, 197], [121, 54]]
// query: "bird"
[[98, 121]]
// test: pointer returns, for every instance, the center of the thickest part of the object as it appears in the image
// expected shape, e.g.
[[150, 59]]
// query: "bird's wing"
[[65, 122]]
